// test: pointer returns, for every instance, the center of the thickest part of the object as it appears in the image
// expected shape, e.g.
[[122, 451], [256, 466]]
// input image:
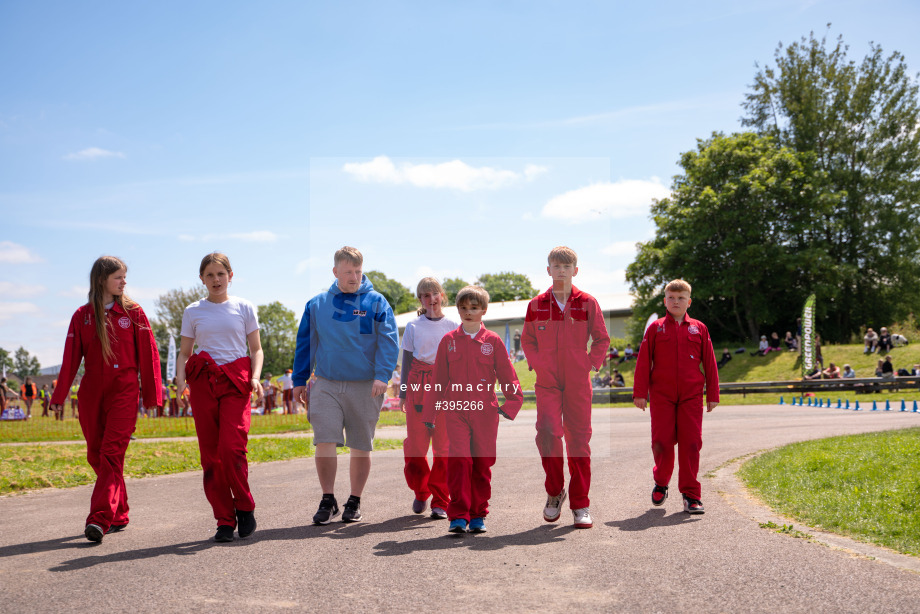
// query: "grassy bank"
[[864, 486], [32, 467]]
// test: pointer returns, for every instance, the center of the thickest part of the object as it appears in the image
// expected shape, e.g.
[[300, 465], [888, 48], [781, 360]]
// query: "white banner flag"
[[171, 360]]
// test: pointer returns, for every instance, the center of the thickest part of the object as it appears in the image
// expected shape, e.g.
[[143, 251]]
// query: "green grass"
[[47, 429], [865, 486], [60, 466]]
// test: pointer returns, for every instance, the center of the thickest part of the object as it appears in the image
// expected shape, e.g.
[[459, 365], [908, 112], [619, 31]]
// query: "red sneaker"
[[659, 495], [693, 506]]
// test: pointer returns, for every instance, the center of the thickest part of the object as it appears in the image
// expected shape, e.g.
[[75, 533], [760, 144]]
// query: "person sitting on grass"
[[878, 368], [832, 372], [884, 340], [763, 348], [887, 368], [774, 342], [726, 356], [871, 341], [848, 373], [618, 381], [815, 373], [790, 342]]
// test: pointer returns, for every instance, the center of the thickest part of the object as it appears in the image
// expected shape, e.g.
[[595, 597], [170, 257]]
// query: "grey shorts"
[[337, 406]]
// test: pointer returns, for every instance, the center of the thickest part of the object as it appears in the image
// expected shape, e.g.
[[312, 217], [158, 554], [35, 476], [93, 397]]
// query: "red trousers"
[[108, 415], [677, 423], [565, 411], [425, 481], [472, 436], [222, 416]]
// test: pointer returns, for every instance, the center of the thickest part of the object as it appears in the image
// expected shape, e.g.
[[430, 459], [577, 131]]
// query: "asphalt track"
[[637, 558]]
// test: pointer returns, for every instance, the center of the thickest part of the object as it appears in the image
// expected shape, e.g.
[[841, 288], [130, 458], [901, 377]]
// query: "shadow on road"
[[652, 518], [61, 543], [532, 537]]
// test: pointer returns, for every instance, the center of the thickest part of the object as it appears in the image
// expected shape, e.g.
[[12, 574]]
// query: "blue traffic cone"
[[903, 405], [887, 405], [838, 403], [915, 407], [857, 406], [848, 404], [781, 401], [874, 406], [809, 401]]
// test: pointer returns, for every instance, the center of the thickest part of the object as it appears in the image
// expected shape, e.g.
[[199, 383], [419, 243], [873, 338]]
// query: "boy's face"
[[562, 272], [677, 303], [470, 313], [348, 276]]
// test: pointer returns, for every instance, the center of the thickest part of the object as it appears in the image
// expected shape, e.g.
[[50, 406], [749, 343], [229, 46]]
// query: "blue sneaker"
[[457, 526], [478, 525]]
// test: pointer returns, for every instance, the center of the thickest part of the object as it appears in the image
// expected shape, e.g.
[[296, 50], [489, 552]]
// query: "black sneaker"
[[352, 511], [328, 509], [245, 523], [224, 533], [115, 528], [693, 506], [93, 532], [659, 495]]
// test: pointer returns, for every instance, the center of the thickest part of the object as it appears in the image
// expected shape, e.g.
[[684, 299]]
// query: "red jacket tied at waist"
[[238, 371]]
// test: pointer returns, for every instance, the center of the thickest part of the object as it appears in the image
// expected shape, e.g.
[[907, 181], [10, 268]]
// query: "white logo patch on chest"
[[124, 322], [487, 349], [693, 329]]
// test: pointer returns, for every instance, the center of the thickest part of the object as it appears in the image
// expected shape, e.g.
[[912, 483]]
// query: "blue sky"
[[447, 138]]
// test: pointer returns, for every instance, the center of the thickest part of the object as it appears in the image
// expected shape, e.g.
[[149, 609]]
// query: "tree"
[[278, 333], [25, 364], [741, 225], [398, 296], [452, 286], [860, 122], [171, 306], [506, 286], [6, 363]]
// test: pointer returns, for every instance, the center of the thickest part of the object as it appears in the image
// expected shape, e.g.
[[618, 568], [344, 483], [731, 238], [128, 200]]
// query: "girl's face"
[[216, 279], [116, 282], [431, 301]]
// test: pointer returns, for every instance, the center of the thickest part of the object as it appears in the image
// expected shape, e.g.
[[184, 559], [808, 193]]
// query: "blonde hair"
[[104, 267], [474, 295], [428, 284], [563, 255], [678, 285], [213, 257], [350, 254]]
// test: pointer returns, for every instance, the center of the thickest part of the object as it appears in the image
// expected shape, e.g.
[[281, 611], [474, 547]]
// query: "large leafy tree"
[[506, 286], [25, 364], [861, 123], [741, 226], [453, 285], [398, 296], [170, 307], [278, 334], [6, 363]]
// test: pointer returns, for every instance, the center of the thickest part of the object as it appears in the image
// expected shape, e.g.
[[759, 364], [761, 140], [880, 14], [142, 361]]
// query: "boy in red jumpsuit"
[[468, 362], [668, 374], [557, 328]]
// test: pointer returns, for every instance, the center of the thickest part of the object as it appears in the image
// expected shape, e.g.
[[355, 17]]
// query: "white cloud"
[[75, 291], [11, 290], [13, 253], [9, 310], [620, 248], [453, 175], [621, 199], [141, 293], [93, 153]]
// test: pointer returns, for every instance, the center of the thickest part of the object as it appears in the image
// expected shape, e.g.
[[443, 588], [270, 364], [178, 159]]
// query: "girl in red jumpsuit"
[[112, 336], [221, 378], [420, 347]]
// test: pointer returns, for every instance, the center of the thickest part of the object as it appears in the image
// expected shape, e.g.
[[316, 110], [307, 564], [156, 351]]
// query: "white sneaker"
[[583, 518], [554, 507]]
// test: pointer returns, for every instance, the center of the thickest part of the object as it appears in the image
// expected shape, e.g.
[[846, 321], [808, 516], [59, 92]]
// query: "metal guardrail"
[[863, 384]]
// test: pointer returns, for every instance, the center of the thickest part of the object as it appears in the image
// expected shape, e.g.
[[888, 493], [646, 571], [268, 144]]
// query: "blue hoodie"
[[347, 336]]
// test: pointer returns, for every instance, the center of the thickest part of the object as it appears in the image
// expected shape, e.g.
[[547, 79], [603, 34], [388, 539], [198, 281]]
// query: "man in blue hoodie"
[[348, 339]]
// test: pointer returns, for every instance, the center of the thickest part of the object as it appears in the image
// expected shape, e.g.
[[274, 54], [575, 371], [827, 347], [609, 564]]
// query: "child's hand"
[[504, 415], [430, 425], [711, 406], [640, 403], [402, 405]]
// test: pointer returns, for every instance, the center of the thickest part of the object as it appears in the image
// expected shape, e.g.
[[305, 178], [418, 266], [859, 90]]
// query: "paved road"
[[636, 559]]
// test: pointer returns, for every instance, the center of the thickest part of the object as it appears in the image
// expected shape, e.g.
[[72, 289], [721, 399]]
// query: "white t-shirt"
[[287, 382], [220, 329], [422, 336]]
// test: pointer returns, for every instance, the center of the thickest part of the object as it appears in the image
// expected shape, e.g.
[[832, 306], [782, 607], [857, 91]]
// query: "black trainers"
[[93, 532], [224, 533], [659, 495], [328, 509], [115, 528], [352, 511], [245, 523], [693, 506]]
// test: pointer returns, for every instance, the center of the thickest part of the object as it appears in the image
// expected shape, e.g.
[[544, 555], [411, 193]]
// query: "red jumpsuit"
[[464, 377], [556, 346], [220, 396], [424, 481], [668, 374], [108, 398]]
